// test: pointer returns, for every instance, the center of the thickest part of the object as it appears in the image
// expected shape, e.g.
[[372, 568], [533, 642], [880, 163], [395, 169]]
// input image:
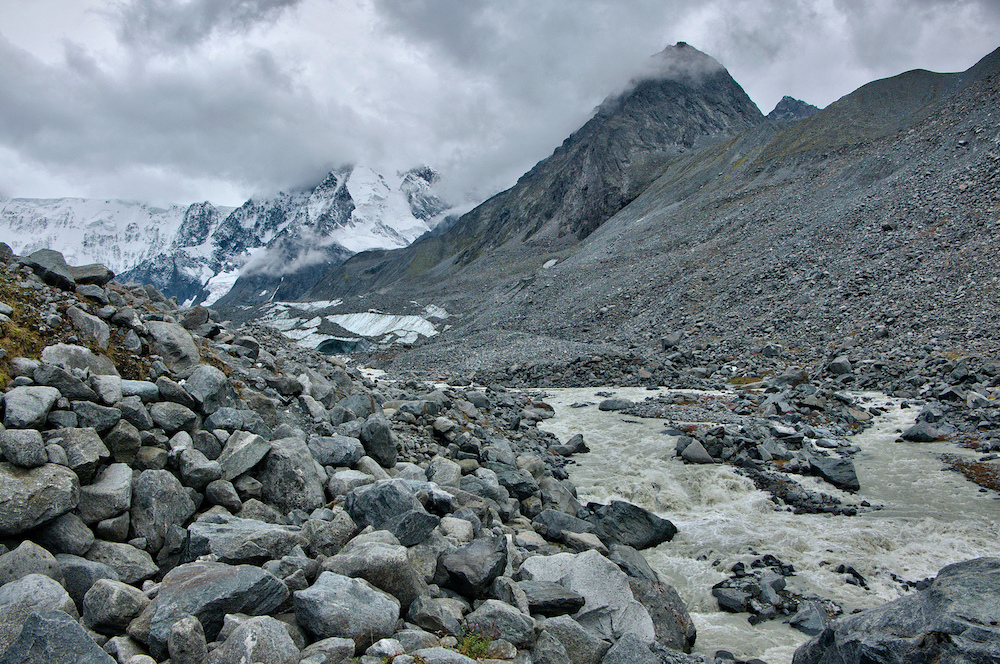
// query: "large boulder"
[[93, 273], [109, 606], [27, 406], [336, 450], [174, 344], [108, 496], [956, 619], [208, 591], [210, 389], [838, 472], [260, 639], [159, 500], [131, 564], [233, 540], [51, 266], [611, 609], [19, 599], [350, 608], [378, 440], [377, 503], [84, 449], [242, 451], [291, 479], [70, 357], [31, 497], [383, 565], [503, 620], [472, 568], [624, 523], [54, 636]]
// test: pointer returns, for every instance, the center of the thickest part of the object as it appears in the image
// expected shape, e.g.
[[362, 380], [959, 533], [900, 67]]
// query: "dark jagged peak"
[[790, 109], [200, 219], [416, 186]]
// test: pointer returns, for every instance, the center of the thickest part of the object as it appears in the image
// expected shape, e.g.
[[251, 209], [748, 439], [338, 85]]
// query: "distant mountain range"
[[199, 253]]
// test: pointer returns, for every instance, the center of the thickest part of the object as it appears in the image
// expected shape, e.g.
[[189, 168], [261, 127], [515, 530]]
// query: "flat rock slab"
[[548, 598], [237, 541]]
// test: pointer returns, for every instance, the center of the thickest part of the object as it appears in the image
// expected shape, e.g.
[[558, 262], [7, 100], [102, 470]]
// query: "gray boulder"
[[630, 649], [108, 496], [186, 643], [234, 541], [581, 646], [197, 470], [124, 441], [376, 503], [28, 558], [615, 404], [954, 620], [383, 565], [93, 273], [210, 389], [174, 344], [242, 451], [79, 574], [71, 357], [336, 450], [35, 496], [922, 432], [547, 598], [159, 500], [19, 599], [472, 568], [131, 564], [208, 591], [84, 449], [92, 415], [109, 606], [26, 407], [23, 447], [439, 655], [505, 621], [68, 384], [838, 472], [291, 479], [51, 266], [259, 639], [624, 523], [89, 326], [695, 452], [65, 534], [432, 614], [54, 636], [173, 417], [339, 606], [378, 440], [610, 609]]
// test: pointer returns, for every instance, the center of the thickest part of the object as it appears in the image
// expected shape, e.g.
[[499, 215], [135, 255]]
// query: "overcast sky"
[[175, 101]]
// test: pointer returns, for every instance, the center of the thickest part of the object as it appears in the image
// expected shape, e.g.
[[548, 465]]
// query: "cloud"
[[167, 24], [183, 100]]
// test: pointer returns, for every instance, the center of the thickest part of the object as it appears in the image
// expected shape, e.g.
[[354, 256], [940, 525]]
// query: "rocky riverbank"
[[176, 489]]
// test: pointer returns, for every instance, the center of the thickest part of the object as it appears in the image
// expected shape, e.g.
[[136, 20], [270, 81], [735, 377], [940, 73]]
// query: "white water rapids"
[[930, 518]]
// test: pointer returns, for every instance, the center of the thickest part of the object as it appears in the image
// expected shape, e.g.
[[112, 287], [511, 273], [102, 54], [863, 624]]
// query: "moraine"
[[928, 518]]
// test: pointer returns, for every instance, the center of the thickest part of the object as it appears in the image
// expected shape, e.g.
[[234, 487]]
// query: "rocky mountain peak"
[[790, 109]]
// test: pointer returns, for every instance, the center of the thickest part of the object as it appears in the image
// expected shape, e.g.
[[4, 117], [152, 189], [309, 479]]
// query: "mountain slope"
[[686, 100], [872, 223]]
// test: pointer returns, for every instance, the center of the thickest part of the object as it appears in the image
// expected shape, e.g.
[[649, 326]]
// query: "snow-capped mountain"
[[118, 234], [200, 252]]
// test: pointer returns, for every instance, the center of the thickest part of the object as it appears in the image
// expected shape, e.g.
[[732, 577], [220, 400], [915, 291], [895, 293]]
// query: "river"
[[928, 519]]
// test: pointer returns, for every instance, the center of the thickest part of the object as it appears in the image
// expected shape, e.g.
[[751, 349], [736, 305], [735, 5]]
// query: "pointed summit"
[[790, 109]]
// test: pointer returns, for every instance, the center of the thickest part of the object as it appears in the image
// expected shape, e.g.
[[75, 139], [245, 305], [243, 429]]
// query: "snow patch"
[[219, 285], [370, 324]]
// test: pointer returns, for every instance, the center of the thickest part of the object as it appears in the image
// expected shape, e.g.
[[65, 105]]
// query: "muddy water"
[[929, 518]]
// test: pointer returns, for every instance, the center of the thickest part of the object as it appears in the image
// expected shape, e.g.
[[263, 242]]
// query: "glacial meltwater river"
[[929, 518]]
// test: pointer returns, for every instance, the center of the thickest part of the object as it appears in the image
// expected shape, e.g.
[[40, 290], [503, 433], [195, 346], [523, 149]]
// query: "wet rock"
[[922, 432], [338, 606], [31, 497], [208, 591], [624, 523], [53, 636], [810, 618], [695, 452], [615, 404], [26, 407], [838, 472], [551, 525], [954, 620]]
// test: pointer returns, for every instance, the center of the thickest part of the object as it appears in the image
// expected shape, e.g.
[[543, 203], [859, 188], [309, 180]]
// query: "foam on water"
[[929, 518]]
